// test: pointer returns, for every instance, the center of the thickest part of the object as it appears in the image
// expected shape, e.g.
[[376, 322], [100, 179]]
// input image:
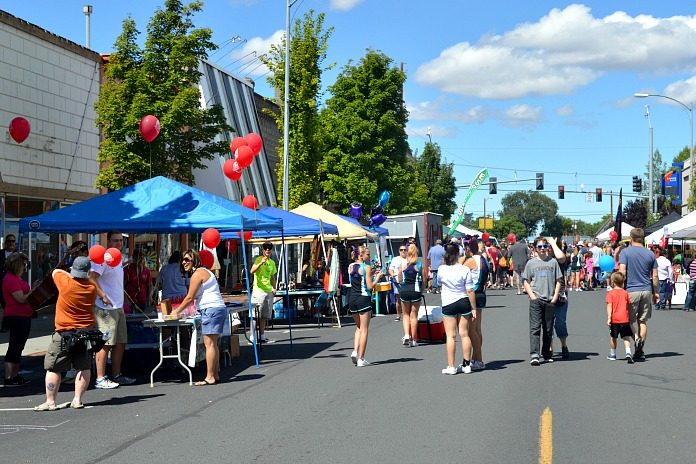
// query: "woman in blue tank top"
[[410, 293], [360, 302]]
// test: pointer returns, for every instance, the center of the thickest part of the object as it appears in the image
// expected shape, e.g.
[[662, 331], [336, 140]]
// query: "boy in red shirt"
[[617, 317]]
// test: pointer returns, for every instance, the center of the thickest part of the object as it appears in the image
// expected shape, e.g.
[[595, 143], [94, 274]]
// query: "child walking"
[[617, 317]]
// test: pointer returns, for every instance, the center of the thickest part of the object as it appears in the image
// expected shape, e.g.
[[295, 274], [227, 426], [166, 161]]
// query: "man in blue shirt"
[[435, 257], [639, 266]]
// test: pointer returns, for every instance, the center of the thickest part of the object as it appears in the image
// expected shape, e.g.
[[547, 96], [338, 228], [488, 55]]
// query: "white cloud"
[[245, 58], [522, 115], [566, 49], [566, 110], [344, 5], [433, 111], [684, 91]]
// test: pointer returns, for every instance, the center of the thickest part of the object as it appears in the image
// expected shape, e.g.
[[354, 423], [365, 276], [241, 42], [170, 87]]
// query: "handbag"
[[75, 341], [562, 299]]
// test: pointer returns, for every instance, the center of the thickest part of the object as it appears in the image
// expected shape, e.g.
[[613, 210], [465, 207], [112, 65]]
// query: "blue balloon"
[[606, 263], [377, 220], [384, 199], [355, 211]]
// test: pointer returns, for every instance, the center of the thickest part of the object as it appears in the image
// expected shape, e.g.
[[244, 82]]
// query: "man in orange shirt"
[[76, 296]]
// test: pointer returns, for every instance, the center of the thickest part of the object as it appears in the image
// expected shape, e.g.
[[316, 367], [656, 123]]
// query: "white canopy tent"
[[467, 231], [679, 229], [625, 232]]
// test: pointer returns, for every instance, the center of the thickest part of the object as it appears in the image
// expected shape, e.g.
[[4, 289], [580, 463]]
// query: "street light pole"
[[651, 189], [286, 109], [690, 109]]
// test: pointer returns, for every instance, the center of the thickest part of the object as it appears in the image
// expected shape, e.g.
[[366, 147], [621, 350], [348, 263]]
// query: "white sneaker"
[[414, 343], [450, 370], [362, 362], [405, 340], [354, 357], [464, 369], [105, 383]]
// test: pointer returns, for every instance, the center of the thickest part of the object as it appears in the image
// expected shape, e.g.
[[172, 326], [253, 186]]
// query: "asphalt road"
[[309, 404]]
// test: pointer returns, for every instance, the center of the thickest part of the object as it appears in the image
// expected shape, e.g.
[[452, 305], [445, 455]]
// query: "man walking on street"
[[640, 268], [111, 319], [435, 257], [520, 255]]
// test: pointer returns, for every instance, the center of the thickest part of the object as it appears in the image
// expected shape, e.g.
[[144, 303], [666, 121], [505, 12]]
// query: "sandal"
[[75, 405], [45, 407], [204, 383]]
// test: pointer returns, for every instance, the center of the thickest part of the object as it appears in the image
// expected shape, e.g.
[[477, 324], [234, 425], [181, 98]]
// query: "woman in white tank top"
[[205, 291]]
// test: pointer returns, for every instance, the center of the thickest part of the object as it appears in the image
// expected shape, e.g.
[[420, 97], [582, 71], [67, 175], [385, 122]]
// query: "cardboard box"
[[165, 308], [383, 286], [234, 346]]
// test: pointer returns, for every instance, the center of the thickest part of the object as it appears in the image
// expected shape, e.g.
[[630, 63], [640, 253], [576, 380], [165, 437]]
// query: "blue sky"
[[518, 87]]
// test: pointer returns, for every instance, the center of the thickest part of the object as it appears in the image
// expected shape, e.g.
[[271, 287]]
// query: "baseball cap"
[[80, 267]]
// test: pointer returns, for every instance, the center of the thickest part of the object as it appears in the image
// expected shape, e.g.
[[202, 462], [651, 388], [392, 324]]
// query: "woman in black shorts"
[[458, 307], [360, 302], [410, 293], [479, 273]]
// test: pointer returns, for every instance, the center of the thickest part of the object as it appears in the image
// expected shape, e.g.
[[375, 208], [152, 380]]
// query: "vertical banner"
[[480, 178], [618, 221]]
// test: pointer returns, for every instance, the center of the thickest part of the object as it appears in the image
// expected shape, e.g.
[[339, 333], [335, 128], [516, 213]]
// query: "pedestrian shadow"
[[501, 364], [580, 356], [666, 354], [335, 356], [494, 306], [394, 360], [243, 378], [124, 400], [341, 349]]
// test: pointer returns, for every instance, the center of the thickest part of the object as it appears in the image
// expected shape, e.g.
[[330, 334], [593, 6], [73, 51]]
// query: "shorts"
[[461, 307], [640, 308], [264, 301], [620, 330], [59, 359], [360, 304], [112, 323], [409, 296], [480, 300], [518, 270], [213, 320]]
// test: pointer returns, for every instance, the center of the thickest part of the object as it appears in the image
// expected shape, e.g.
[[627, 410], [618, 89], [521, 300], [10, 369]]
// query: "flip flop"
[[204, 383], [45, 407]]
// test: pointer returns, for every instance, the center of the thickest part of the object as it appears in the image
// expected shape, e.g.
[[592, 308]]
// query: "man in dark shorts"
[[519, 253], [76, 296]]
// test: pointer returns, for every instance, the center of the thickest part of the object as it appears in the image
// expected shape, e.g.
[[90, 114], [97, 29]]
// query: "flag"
[[478, 180], [619, 218]]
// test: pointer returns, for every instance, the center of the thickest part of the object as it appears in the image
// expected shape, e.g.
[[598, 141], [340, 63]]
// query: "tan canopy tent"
[[346, 229]]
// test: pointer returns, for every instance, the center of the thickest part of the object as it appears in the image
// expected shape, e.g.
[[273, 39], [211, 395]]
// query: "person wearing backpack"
[[503, 266]]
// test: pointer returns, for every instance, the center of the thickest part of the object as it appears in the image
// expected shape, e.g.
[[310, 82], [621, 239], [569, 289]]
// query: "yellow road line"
[[546, 437]]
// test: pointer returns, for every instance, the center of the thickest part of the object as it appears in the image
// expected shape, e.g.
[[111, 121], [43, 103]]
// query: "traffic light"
[[540, 181], [561, 192], [493, 185], [637, 184], [599, 194]]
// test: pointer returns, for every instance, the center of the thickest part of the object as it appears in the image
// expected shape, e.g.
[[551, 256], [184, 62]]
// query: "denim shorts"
[[213, 320]]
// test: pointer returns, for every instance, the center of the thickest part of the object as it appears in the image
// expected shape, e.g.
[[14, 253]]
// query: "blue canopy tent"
[[294, 225], [157, 205]]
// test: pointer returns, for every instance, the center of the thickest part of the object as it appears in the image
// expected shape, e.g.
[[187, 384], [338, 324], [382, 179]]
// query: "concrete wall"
[[53, 83]]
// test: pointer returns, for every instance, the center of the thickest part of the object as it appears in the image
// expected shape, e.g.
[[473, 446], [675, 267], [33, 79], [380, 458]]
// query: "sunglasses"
[[402, 249], [268, 248], [542, 247], [186, 260]]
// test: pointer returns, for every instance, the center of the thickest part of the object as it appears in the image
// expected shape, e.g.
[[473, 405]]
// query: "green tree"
[[506, 224], [307, 54], [530, 208], [557, 227], [438, 179], [682, 155], [160, 79], [364, 127], [635, 213], [659, 168]]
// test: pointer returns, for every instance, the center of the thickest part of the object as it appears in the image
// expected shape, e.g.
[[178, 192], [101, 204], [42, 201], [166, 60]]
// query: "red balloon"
[[113, 257], [485, 236], [232, 246], [613, 235], [211, 238], [247, 235], [207, 259], [236, 143], [250, 202], [511, 238], [255, 143], [149, 128], [96, 254], [244, 156], [232, 170], [19, 129]]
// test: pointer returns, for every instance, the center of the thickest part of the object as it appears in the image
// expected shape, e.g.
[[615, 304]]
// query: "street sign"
[[485, 223], [589, 197]]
